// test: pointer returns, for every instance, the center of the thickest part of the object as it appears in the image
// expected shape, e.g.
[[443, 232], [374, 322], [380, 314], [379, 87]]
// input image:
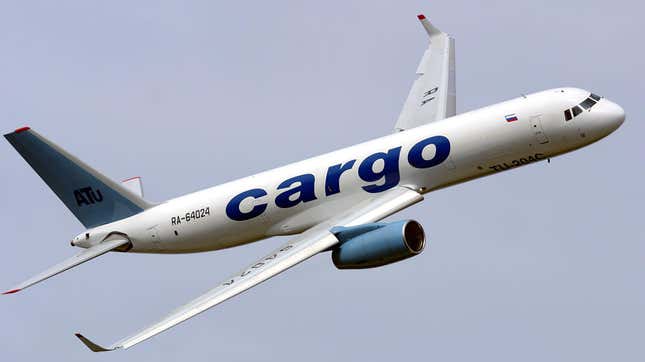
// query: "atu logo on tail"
[[87, 196]]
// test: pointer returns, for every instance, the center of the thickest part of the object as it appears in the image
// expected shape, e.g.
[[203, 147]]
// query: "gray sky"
[[540, 263]]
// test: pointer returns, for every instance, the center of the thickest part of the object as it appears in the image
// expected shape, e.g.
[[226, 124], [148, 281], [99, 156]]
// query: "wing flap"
[[301, 248], [82, 257]]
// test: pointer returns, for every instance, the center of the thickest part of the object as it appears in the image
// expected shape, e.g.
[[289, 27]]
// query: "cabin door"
[[536, 129], [155, 236]]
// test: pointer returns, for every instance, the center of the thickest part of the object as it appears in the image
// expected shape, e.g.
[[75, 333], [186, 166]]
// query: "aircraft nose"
[[615, 114], [606, 117]]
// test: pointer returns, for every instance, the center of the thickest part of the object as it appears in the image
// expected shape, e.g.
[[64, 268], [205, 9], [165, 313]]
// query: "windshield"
[[589, 102]]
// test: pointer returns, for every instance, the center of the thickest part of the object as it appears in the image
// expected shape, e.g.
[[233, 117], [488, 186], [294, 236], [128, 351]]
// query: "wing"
[[82, 257], [304, 246], [433, 94]]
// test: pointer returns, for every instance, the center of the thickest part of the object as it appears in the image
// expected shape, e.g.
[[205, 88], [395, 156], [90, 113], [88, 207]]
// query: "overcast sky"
[[541, 263]]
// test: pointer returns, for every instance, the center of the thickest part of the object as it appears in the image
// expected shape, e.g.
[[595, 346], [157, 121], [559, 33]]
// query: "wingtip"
[[91, 345], [11, 291], [430, 29]]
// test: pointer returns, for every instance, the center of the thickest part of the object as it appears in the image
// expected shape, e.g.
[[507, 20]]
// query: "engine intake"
[[377, 244]]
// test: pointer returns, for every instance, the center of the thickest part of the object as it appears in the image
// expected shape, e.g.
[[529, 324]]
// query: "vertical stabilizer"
[[93, 198]]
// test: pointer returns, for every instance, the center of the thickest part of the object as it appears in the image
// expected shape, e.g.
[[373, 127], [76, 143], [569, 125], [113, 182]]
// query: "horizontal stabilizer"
[[134, 185], [82, 257]]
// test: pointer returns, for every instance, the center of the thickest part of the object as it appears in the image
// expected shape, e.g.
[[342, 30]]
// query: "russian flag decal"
[[511, 117]]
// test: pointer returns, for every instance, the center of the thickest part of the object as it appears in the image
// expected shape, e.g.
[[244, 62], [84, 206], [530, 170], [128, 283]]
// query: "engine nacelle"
[[377, 244]]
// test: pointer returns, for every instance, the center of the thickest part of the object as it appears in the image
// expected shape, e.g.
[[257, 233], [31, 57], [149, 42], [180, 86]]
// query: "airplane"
[[334, 202]]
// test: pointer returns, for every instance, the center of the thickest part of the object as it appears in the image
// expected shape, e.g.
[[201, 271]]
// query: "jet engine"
[[377, 244]]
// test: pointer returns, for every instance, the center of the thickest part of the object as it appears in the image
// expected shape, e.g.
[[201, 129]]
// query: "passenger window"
[[567, 115], [587, 103], [576, 110], [595, 97]]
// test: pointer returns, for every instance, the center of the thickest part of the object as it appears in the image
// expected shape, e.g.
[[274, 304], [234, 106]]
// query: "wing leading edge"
[[433, 95], [301, 248]]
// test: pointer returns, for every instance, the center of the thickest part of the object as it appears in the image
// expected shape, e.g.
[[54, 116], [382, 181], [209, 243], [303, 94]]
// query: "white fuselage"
[[292, 198]]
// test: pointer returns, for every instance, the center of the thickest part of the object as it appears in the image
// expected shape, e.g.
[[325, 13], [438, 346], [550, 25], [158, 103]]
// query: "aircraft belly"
[[307, 217]]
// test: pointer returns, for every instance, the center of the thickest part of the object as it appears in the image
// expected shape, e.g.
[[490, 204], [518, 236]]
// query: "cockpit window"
[[567, 115], [588, 103]]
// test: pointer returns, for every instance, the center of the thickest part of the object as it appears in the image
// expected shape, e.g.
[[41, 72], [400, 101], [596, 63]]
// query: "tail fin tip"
[[22, 129]]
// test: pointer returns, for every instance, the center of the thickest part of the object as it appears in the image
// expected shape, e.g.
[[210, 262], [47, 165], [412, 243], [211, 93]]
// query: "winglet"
[[430, 29], [11, 291], [91, 345]]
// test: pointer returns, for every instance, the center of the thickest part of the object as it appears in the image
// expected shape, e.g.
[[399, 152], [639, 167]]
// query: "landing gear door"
[[537, 130]]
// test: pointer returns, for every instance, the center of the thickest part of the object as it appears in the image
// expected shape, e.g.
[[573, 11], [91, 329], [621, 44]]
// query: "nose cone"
[[604, 118], [615, 115]]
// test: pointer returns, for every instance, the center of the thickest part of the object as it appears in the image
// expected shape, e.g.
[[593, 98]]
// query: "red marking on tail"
[[421, 16], [22, 129], [12, 290]]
